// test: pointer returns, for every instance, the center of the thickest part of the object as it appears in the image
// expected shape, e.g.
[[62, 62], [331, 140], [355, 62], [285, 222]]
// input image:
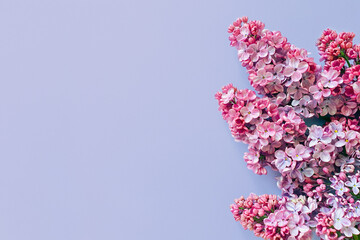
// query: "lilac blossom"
[[330, 79], [351, 230], [295, 69], [340, 188], [298, 153], [249, 112], [317, 135], [354, 184], [282, 160], [339, 220], [349, 140], [323, 152]]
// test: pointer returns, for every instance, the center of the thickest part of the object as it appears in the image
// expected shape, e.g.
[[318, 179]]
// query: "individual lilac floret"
[[339, 220], [317, 135], [354, 184], [298, 153], [295, 69]]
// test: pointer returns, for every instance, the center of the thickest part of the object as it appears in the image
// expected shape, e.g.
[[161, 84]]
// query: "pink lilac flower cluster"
[[275, 218], [264, 126], [338, 85], [276, 68], [318, 165]]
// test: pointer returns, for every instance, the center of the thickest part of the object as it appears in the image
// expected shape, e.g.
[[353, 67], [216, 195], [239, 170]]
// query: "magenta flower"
[[295, 69], [249, 112]]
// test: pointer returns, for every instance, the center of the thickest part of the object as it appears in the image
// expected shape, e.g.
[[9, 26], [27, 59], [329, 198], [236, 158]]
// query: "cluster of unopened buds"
[[318, 164]]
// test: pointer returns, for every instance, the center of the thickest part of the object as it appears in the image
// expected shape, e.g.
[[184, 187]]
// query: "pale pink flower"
[[262, 77], [249, 112], [282, 160], [336, 130], [330, 79], [301, 106], [340, 188], [266, 129], [278, 218], [296, 90], [244, 32], [227, 97], [348, 108], [357, 208], [299, 153], [277, 71], [258, 50], [306, 171], [323, 152], [317, 136], [348, 141], [271, 147], [296, 225], [243, 55], [339, 220], [344, 160], [354, 184], [328, 107], [278, 133], [277, 39], [312, 206], [252, 160], [319, 92], [294, 207], [351, 230], [246, 95], [295, 69]]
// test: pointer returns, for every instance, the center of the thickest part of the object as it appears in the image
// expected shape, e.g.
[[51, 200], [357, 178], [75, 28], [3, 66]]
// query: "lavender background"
[[108, 124]]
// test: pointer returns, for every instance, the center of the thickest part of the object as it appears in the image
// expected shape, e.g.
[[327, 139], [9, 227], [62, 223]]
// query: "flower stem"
[[342, 54]]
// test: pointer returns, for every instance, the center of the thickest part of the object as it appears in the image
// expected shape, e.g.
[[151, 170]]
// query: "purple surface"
[[108, 124]]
